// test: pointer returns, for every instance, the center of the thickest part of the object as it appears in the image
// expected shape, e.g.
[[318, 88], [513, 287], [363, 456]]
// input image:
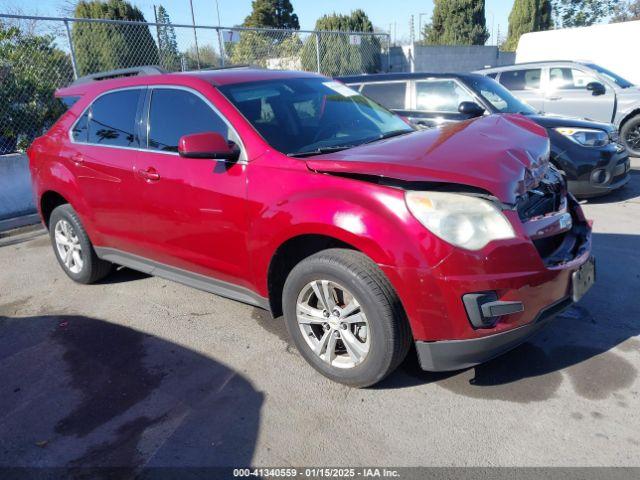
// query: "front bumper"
[[447, 355], [595, 172]]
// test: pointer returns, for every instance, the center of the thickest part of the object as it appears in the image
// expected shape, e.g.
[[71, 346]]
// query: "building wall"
[[16, 195], [454, 59]]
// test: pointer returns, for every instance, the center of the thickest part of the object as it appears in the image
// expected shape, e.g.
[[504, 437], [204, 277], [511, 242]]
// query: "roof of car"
[[387, 77], [214, 77], [528, 64]]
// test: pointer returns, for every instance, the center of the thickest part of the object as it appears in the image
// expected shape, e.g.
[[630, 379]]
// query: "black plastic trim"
[[195, 280], [448, 355]]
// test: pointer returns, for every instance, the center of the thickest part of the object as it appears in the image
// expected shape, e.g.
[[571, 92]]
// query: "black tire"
[[93, 268], [630, 136], [389, 328]]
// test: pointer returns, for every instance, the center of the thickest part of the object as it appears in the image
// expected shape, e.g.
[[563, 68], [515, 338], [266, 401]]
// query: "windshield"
[[498, 96], [609, 75], [309, 115]]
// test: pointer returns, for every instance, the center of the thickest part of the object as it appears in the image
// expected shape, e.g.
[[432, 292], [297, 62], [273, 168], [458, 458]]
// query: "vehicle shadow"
[[82, 395], [577, 346], [123, 275]]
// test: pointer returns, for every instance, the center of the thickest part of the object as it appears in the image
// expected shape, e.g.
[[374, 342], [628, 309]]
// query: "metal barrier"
[[41, 54]]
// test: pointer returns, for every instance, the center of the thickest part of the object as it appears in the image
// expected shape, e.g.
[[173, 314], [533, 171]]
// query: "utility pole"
[[220, 37], [420, 15], [412, 33], [155, 15], [195, 34]]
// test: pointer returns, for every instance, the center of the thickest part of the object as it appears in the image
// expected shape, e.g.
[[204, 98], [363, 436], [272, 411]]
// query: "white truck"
[[612, 46]]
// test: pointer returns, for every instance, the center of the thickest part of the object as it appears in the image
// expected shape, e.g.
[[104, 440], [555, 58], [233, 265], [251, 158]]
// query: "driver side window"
[[440, 96]]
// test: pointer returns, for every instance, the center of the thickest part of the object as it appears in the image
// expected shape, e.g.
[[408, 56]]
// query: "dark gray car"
[[577, 89]]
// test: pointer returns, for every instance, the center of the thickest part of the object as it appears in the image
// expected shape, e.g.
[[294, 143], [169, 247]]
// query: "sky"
[[387, 15]]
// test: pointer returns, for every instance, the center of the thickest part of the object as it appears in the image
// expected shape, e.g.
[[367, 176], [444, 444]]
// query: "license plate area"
[[583, 279]]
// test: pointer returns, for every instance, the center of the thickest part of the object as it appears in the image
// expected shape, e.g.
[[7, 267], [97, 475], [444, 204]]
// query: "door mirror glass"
[[596, 88], [207, 145], [471, 109]]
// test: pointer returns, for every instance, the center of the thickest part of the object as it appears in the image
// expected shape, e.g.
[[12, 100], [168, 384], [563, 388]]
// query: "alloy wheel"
[[68, 246], [333, 324]]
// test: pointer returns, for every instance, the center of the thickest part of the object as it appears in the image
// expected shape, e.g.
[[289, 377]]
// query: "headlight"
[[462, 220], [586, 136]]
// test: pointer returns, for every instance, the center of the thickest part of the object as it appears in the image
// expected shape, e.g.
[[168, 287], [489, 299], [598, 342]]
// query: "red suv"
[[294, 193]]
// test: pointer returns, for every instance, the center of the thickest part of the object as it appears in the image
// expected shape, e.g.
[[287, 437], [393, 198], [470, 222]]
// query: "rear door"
[[106, 142], [192, 210], [526, 84], [435, 101], [393, 95], [567, 94]]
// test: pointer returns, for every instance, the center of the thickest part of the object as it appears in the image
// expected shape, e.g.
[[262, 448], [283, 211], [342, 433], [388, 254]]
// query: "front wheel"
[[630, 136], [345, 318]]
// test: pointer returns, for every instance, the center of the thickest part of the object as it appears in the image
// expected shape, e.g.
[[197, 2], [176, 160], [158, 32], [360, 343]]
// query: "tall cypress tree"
[[457, 22], [527, 16], [167, 43], [272, 14], [106, 46]]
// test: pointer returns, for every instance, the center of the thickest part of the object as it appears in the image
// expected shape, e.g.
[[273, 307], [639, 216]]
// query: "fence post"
[[72, 51], [388, 53], [318, 50], [222, 52]]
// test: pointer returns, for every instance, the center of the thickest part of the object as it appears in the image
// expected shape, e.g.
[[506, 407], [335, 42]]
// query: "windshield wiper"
[[320, 151], [383, 136]]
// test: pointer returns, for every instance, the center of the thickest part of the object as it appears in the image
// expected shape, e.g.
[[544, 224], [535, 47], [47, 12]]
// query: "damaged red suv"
[[292, 192]]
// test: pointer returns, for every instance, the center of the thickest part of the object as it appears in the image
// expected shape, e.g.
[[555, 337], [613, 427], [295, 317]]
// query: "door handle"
[[553, 99], [77, 159], [150, 174]]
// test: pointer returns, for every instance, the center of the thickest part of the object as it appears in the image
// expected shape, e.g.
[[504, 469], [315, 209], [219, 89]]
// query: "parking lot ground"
[[139, 371]]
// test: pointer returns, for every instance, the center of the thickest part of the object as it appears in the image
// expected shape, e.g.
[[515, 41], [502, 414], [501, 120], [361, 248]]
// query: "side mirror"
[[206, 145], [471, 109], [596, 88]]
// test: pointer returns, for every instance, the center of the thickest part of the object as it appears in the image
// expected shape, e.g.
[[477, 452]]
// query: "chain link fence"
[[40, 54]]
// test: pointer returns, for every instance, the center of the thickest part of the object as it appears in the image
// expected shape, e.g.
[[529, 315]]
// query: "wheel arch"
[[49, 200], [629, 116]]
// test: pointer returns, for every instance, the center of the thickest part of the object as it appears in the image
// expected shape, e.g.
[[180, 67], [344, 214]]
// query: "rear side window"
[[110, 120], [174, 113], [390, 95], [521, 79]]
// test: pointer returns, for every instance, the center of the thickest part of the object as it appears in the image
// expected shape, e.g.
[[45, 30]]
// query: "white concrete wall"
[[16, 195]]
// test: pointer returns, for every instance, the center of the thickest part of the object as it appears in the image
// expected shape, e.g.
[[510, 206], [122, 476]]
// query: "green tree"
[[208, 56], [105, 46], [527, 16], [626, 11], [581, 13], [167, 43], [32, 68], [457, 22], [272, 14], [338, 56], [256, 47]]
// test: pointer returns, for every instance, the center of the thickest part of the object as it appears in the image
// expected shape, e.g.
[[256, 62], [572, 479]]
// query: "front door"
[[566, 94], [193, 210]]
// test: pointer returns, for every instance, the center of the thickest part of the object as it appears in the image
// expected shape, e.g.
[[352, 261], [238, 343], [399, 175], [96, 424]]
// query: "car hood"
[[554, 121], [505, 155]]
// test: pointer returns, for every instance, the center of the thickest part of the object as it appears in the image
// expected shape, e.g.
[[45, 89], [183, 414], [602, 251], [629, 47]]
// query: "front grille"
[[547, 198]]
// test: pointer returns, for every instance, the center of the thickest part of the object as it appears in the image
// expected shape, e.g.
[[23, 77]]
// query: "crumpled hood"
[[505, 155]]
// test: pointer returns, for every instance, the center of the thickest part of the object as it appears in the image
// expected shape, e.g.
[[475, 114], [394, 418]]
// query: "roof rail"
[[122, 72]]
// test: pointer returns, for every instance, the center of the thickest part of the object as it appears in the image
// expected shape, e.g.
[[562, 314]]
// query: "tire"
[[630, 136], [353, 279], [66, 232]]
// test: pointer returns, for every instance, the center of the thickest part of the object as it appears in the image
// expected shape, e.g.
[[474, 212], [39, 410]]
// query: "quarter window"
[[521, 79], [440, 96], [174, 113], [112, 119], [390, 95]]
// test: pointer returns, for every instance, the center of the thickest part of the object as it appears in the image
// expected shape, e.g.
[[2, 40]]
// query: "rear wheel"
[[345, 318], [630, 135], [73, 249]]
